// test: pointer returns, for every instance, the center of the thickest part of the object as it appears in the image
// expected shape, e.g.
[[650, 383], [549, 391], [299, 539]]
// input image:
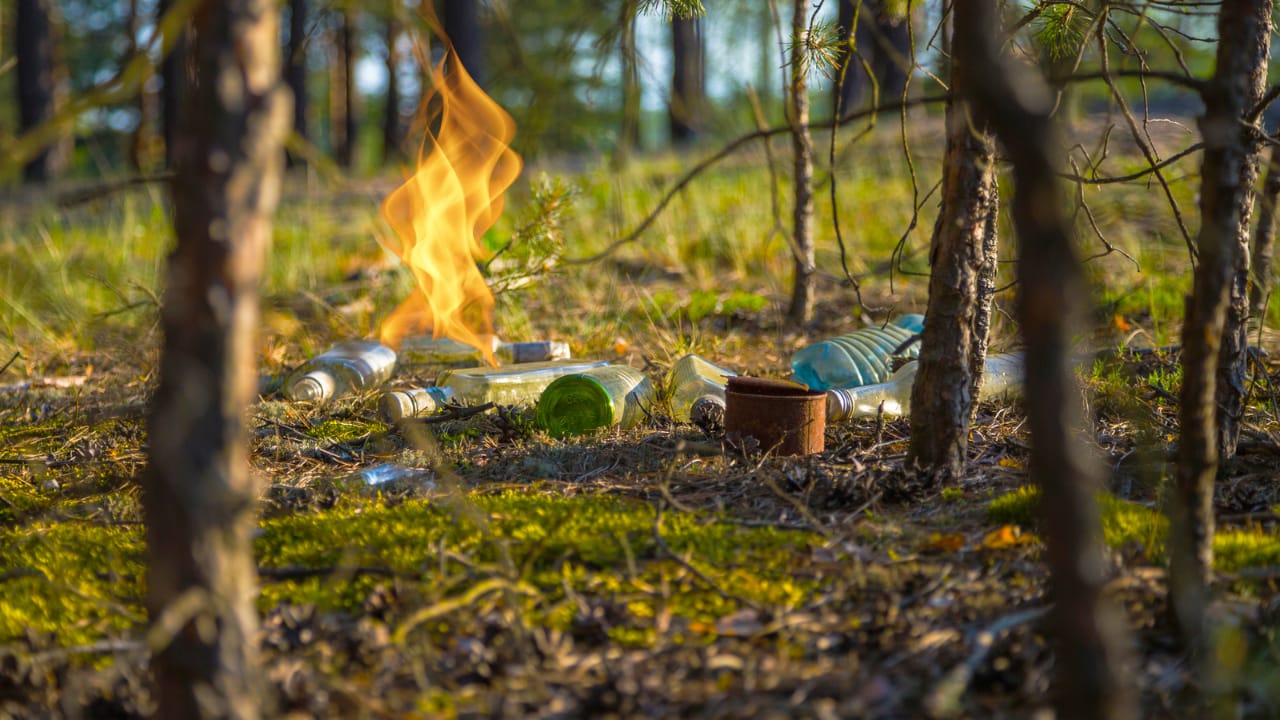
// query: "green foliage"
[[673, 8], [1059, 30], [820, 49], [537, 244]]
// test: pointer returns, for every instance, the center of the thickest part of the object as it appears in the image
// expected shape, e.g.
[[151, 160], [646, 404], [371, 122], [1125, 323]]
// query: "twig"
[[295, 572], [16, 355], [103, 189], [455, 413]]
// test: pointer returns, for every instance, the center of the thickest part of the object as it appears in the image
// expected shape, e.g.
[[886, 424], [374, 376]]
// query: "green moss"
[[345, 429], [77, 581], [1016, 508], [20, 498], [591, 545], [1126, 524], [1236, 549]]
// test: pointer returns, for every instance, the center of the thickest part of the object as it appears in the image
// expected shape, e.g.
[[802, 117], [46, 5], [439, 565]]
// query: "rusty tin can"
[[785, 418]]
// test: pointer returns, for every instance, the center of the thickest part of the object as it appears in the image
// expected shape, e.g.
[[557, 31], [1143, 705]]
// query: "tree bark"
[[1231, 390], [953, 345], [801, 309], [173, 77], [1051, 282], [881, 39], [1264, 240], [688, 80], [35, 28], [1224, 185], [462, 25], [392, 130], [198, 498], [350, 113], [296, 72]]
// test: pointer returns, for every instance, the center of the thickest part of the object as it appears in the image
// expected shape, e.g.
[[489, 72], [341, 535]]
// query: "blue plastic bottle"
[[857, 358]]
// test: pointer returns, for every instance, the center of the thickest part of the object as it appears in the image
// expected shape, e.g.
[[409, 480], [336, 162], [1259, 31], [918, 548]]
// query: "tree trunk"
[[198, 499], [462, 25], [1231, 391], [881, 39], [37, 83], [801, 309], [392, 131], [173, 89], [1087, 631], [350, 116], [296, 71], [688, 80], [1264, 240], [1228, 96], [955, 327]]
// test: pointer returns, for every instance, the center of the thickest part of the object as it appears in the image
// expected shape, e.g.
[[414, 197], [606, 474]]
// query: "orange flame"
[[443, 209]]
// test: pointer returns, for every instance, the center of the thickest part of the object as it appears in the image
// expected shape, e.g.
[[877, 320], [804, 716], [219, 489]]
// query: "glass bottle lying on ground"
[[504, 385], [695, 381], [345, 368], [598, 398], [1001, 380]]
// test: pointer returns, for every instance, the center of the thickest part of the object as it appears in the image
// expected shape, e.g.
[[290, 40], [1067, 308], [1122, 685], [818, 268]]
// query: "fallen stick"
[[944, 700]]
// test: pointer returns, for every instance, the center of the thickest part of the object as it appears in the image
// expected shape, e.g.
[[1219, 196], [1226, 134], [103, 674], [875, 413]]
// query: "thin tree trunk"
[[1228, 96], [1264, 240], [801, 309], [988, 269], [462, 25], [37, 82], [954, 338], [198, 498], [392, 130], [350, 111], [688, 84], [1231, 390], [296, 71], [1051, 280], [173, 76]]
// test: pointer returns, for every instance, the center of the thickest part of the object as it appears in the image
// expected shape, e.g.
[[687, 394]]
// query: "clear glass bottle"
[[597, 398], [861, 357], [389, 473], [426, 350], [694, 380], [505, 385], [1001, 380], [345, 368]]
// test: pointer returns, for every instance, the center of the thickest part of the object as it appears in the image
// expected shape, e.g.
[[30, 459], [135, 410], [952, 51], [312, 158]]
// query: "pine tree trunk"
[[296, 71], [462, 25], [942, 397], [1264, 240], [350, 100], [1228, 96], [173, 76], [688, 85], [37, 82], [1231, 390], [392, 131], [801, 309], [1051, 282], [198, 499]]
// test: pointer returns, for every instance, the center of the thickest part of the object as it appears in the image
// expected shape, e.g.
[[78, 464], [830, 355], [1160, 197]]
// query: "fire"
[[441, 212]]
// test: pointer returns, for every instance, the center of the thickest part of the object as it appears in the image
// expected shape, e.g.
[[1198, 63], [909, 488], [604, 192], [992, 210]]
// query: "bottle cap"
[[315, 386]]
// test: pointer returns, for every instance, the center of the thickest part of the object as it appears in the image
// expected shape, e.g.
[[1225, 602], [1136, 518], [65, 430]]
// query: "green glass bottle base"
[[574, 405]]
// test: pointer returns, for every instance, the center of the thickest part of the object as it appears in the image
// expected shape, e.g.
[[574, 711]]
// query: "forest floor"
[[657, 571]]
